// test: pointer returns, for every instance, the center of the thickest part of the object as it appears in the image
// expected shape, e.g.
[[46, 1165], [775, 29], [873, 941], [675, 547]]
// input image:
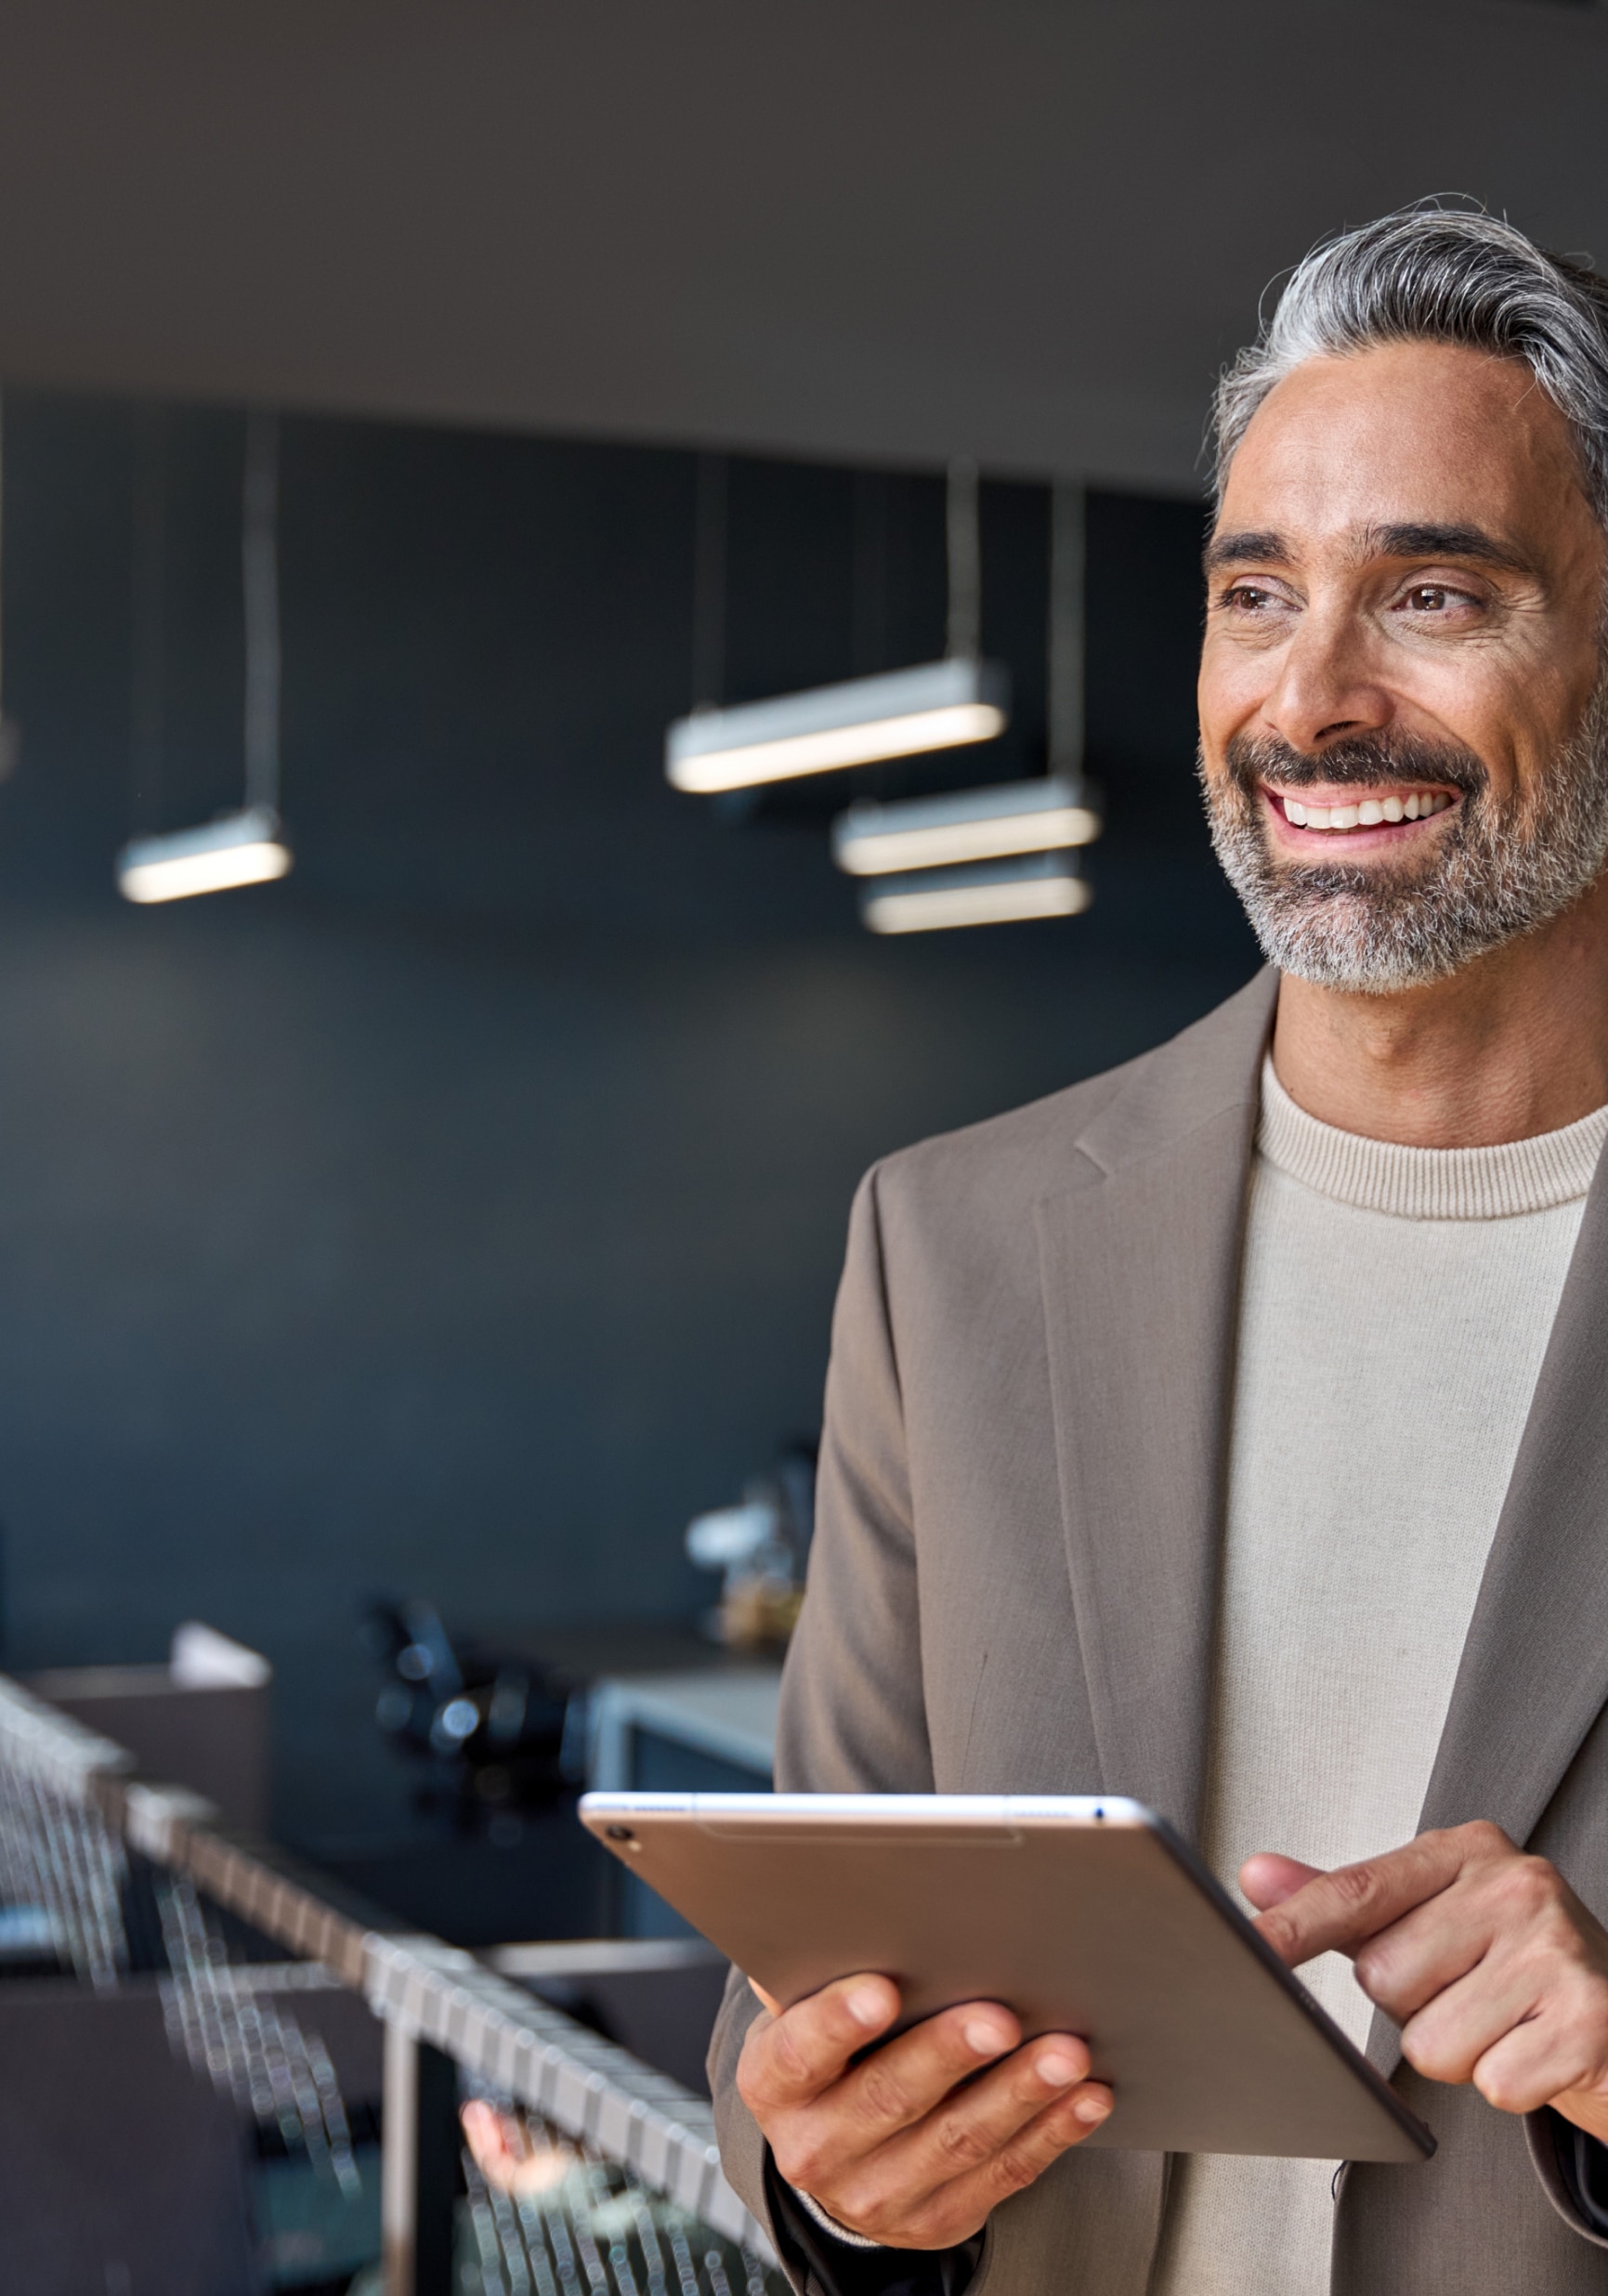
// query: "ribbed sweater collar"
[[1429, 1183]]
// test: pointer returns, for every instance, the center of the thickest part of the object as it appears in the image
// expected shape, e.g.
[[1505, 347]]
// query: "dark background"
[[462, 1214]]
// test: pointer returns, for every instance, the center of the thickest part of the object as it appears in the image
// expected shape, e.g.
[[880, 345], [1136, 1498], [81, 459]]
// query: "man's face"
[[1404, 725]]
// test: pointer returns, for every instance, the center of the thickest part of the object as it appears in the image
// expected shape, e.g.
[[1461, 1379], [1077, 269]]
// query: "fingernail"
[[1058, 2070], [983, 2039], [866, 2006], [1091, 2110]]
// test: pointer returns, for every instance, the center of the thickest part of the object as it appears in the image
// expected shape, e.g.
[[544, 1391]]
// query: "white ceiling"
[[1027, 229]]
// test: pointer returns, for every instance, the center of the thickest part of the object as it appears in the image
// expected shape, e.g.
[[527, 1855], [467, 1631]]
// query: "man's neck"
[[1512, 1044]]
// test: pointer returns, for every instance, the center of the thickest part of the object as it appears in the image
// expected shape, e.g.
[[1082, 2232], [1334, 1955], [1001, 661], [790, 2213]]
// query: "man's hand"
[[915, 2144], [1484, 1957]]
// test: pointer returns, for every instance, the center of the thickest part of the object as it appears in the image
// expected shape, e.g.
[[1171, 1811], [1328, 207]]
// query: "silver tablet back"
[[1082, 1915]]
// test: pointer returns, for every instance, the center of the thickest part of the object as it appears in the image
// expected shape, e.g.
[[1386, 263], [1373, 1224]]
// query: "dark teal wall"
[[464, 1214]]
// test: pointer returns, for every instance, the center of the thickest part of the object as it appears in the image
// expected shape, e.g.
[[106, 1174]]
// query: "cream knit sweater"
[[1396, 1306]]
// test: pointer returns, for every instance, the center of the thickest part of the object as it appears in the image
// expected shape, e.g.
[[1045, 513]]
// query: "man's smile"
[[1383, 814]]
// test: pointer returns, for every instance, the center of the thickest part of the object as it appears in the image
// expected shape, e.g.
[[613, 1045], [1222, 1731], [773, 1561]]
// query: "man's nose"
[[1325, 686]]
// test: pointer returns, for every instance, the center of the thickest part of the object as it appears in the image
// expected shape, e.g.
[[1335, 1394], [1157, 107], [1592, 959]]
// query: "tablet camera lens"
[[620, 1833]]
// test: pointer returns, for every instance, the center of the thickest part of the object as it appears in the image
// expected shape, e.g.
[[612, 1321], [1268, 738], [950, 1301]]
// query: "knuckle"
[[1013, 2168], [751, 2082], [1500, 2091], [961, 2144], [1429, 2054], [1420, 2053], [857, 2208], [801, 2156], [926, 2226], [1482, 1838], [880, 2093], [1529, 1889], [792, 2159], [1353, 1885]]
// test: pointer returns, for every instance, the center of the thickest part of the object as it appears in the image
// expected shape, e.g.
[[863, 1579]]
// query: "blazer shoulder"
[[1013, 1160]]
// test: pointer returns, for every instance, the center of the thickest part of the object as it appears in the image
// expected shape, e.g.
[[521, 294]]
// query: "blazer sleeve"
[[853, 1716], [1572, 2168]]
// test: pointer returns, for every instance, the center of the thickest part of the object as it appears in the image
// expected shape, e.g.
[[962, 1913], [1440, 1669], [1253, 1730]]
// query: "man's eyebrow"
[[1428, 539], [1407, 538], [1264, 548]]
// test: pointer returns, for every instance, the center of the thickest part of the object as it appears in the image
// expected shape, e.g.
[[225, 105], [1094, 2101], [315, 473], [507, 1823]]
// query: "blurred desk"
[[708, 1731], [711, 1732]]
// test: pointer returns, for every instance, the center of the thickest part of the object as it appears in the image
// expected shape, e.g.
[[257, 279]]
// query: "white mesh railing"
[[639, 2205]]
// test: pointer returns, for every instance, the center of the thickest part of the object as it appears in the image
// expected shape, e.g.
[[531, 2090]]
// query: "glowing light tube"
[[966, 824], [236, 849], [938, 705], [995, 893]]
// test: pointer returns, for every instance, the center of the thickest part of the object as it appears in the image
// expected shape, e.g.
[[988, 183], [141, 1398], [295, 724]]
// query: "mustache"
[[1359, 760]]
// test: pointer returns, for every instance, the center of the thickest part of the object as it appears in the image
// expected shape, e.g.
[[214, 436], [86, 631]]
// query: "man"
[[1228, 1432]]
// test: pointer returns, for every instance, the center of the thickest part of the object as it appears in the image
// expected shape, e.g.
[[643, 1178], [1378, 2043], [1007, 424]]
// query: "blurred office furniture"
[[493, 1728], [710, 1731], [762, 1547], [637, 2198], [201, 1720]]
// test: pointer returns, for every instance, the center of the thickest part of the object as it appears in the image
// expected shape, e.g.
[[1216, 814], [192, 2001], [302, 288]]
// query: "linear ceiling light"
[[966, 824], [997, 893], [238, 849], [939, 705], [936, 705]]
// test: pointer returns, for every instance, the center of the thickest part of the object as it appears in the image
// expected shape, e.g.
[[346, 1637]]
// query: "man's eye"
[[1245, 597], [1435, 598]]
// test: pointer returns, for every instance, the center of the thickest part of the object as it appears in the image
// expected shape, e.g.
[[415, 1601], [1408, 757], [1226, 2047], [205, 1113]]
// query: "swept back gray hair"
[[1435, 274]]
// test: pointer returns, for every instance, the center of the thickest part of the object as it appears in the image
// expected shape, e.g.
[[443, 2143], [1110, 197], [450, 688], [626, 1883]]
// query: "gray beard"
[[1498, 870]]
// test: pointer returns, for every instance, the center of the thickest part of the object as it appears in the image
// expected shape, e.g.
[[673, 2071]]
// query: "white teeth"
[[1367, 813]]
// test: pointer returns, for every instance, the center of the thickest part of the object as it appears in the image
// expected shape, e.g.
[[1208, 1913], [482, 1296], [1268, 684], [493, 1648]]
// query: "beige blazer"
[[1016, 1568]]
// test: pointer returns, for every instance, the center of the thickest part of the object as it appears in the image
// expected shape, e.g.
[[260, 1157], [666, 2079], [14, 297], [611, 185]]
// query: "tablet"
[[1083, 1915]]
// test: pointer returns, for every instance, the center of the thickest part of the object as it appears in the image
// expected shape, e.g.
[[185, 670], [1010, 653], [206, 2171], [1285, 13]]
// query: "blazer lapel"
[[1139, 1262], [1534, 1672]]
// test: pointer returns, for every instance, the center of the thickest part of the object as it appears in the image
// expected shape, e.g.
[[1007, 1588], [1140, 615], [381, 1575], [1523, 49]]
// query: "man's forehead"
[[1403, 447]]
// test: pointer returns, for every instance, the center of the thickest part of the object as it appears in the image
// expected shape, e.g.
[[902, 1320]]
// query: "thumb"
[[1268, 1879]]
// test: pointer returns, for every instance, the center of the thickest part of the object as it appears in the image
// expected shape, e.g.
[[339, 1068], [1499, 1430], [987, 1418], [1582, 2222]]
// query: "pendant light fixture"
[[1005, 852], [964, 824], [244, 847], [1040, 884], [936, 705]]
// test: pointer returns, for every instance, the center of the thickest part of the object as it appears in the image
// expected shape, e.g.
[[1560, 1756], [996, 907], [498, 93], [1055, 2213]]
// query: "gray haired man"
[[1229, 1430]]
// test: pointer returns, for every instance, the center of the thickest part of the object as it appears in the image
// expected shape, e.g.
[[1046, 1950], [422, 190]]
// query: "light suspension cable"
[[10, 739]]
